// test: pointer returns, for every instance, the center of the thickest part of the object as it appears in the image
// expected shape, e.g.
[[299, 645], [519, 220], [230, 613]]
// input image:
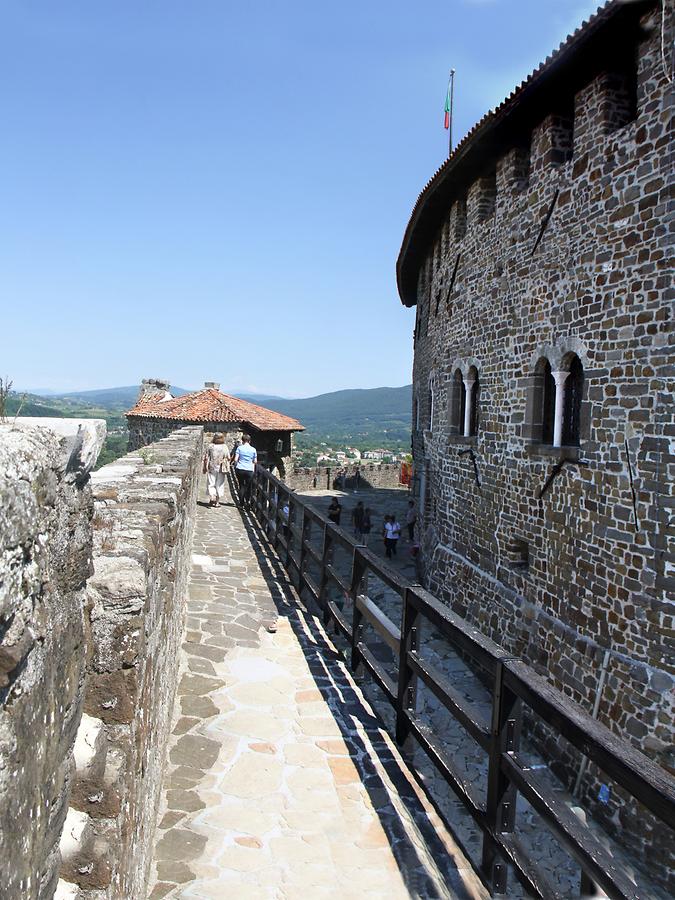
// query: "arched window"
[[456, 403], [548, 403], [431, 407], [554, 403], [471, 391], [571, 412]]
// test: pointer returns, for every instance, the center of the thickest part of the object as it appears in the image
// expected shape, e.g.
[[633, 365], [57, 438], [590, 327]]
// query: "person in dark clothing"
[[335, 511], [366, 525], [411, 519], [357, 519]]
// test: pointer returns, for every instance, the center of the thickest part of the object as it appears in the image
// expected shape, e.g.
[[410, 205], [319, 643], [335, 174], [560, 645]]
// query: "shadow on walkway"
[[429, 861]]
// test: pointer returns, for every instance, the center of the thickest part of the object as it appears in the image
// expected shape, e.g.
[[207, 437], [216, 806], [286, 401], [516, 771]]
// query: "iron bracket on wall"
[[556, 470], [547, 219], [473, 460]]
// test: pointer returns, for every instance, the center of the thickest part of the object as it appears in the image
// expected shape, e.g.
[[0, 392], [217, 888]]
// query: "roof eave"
[[497, 127]]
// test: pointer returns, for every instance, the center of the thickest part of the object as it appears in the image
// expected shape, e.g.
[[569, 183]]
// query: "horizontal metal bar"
[[576, 837], [434, 750], [648, 782], [380, 622], [383, 679], [469, 717]]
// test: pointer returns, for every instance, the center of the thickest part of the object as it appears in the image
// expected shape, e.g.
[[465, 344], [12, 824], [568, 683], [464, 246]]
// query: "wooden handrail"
[[514, 684]]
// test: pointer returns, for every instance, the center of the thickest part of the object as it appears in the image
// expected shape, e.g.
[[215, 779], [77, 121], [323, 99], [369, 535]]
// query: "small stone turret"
[[212, 384], [153, 389]]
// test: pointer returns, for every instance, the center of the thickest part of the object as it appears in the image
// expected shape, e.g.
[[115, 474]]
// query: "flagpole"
[[452, 93]]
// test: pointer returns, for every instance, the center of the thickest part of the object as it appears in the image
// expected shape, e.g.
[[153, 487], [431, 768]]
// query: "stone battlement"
[[388, 475]]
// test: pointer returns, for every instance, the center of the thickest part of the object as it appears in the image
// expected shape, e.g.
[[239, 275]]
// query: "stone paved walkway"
[[280, 781]]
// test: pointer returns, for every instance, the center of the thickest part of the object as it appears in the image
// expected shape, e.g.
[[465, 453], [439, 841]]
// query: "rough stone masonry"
[[93, 578], [45, 560], [540, 261]]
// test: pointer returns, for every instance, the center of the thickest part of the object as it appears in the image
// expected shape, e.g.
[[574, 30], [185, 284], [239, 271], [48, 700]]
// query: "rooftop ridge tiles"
[[212, 405]]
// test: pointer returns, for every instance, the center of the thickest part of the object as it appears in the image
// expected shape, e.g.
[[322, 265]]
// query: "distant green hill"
[[117, 398], [368, 416]]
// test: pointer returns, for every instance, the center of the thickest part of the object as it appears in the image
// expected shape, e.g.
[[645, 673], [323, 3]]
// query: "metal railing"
[[514, 685]]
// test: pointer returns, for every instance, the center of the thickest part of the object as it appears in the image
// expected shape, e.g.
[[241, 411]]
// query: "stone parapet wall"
[[142, 530], [387, 475], [45, 559]]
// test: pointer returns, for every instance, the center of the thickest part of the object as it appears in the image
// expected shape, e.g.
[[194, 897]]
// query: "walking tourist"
[[245, 458], [410, 519], [392, 532], [357, 519], [384, 531], [335, 511], [215, 462], [366, 525]]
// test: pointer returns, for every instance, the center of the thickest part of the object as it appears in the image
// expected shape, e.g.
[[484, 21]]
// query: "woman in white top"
[[392, 532], [215, 463]]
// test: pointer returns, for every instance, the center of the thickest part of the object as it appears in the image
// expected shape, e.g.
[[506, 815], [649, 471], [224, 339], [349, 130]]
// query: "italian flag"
[[446, 123]]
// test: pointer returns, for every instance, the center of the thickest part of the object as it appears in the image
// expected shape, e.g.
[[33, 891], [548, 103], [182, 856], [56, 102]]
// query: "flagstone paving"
[[280, 781]]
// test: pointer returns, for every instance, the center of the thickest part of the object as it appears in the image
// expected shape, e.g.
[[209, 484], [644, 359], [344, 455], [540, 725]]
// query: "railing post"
[[292, 507], [326, 560], [278, 520], [258, 478], [500, 808], [407, 680], [256, 492], [358, 572], [304, 536]]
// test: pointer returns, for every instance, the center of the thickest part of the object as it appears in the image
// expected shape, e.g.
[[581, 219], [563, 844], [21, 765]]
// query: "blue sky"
[[203, 190]]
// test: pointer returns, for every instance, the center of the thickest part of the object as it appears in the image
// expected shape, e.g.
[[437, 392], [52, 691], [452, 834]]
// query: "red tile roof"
[[211, 405]]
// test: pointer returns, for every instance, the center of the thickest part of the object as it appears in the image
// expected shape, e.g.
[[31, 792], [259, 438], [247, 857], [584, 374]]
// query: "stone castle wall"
[[45, 559], [142, 531], [93, 576], [592, 569], [387, 475]]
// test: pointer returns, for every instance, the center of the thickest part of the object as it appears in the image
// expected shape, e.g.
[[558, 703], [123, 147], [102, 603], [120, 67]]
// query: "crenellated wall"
[[387, 475]]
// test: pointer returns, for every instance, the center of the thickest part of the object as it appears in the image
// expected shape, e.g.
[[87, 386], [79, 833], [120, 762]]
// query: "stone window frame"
[[431, 401], [463, 417], [557, 416]]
